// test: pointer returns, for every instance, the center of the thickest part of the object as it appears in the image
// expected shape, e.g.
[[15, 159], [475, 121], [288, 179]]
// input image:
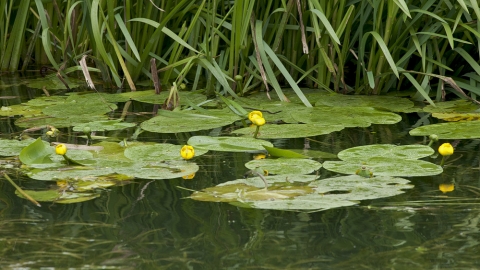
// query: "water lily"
[[446, 187], [445, 149], [187, 152], [61, 149], [257, 119], [254, 114]]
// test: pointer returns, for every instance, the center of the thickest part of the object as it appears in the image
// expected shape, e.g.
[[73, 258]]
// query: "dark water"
[[149, 224]]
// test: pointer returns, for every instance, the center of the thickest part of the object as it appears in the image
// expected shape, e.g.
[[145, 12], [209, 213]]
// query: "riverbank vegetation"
[[236, 47]]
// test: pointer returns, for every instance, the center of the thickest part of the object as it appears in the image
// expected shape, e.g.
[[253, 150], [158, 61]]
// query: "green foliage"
[[368, 47]]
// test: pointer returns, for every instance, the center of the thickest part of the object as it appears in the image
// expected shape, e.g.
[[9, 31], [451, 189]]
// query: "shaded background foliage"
[[234, 47]]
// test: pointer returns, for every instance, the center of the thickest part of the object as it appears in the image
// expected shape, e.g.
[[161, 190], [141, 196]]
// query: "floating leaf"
[[285, 165], [454, 117], [277, 152], [19, 109], [159, 170], [386, 166], [56, 196], [51, 83], [361, 153], [36, 152], [157, 152], [175, 122], [346, 116], [27, 122], [455, 106], [452, 130], [293, 193], [104, 125], [314, 153], [228, 144], [290, 130], [73, 108], [390, 103], [13, 147], [160, 99]]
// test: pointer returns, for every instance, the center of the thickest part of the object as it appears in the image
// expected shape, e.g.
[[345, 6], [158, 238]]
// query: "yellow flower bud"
[[61, 149], [258, 121], [446, 187], [254, 114], [187, 152], [445, 149]]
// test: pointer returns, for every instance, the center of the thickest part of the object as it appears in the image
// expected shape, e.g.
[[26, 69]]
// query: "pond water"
[[152, 225]]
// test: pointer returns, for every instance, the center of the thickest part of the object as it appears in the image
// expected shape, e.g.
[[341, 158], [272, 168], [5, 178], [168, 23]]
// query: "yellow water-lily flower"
[[445, 149], [187, 152], [259, 156], [446, 187], [258, 121], [61, 149], [254, 114]]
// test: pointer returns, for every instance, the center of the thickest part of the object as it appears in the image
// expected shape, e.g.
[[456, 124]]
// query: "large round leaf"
[[452, 130], [289, 130], [390, 103], [386, 166], [159, 170], [346, 116], [362, 153], [157, 152], [13, 147], [104, 125], [285, 165], [73, 107], [195, 98], [56, 196], [228, 144], [175, 122]]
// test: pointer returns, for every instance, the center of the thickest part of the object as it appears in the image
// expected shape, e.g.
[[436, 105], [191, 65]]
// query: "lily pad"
[[451, 130], [13, 147], [386, 166], [73, 108], [277, 152], [175, 122], [293, 193], [285, 165], [346, 116], [390, 103], [104, 125], [289, 130], [160, 99], [361, 153], [157, 152], [159, 170], [457, 117], [57, 196], [19, 109], [454, 106], [36, 152], [27, 122], [52, 83], [228, 144]]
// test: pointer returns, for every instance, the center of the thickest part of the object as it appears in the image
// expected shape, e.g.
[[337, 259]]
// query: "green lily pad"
[[390, 103], [157, 152], [285, 165], [175, 122], [73, 108], [346, 116], [228, 144], [314, 153], [269, 131], [454, 117], [28, 122], [386, 166], [159, 170], [361, 153], [56, 196], [455, 106], [13, 147], [160, 99], [46, 101], [52, 83], [19, 109], [452, 130], [292, 192], [104, 125], [36, 152]]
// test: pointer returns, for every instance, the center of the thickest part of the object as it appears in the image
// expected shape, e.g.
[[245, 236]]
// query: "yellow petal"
[[61, 149], [254, 114], [187, 152], [445, 149]]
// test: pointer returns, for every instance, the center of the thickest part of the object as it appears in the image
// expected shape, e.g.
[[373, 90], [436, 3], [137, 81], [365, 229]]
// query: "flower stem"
[[443, 161], [256, 132]]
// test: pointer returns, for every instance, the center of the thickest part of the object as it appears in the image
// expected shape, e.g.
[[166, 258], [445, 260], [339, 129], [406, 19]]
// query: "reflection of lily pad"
[[390, 103], [157, 152], [290, 130], [346, 116], [228, 144], [452, 130], [285, 165], [104, 125], [175, 122], [289, 193]]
